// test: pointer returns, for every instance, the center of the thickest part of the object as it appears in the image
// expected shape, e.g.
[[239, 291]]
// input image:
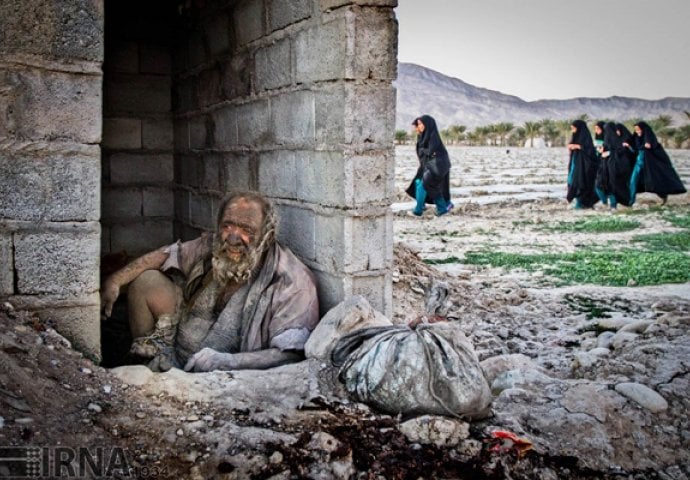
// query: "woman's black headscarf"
[[611, 139], [429, 142], [648, 135], [624, 134], [582, 136]]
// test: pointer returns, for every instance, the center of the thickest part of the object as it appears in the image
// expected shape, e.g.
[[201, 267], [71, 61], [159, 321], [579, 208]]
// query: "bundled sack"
[[432, 369]]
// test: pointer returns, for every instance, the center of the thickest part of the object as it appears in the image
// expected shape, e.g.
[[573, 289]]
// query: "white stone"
[[643, 395], [136, 375], [439, 431]]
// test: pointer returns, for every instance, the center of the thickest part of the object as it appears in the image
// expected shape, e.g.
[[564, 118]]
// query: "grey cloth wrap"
[[241, 324]]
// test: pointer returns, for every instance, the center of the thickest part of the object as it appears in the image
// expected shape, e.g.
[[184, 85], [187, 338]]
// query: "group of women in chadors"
[[617, 165], [431, 184]]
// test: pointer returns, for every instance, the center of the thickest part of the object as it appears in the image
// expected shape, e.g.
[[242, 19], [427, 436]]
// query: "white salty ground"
[[502, 198]]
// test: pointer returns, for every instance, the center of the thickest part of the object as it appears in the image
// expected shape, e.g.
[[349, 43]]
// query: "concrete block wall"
[[138, 168], [294, 99], [50, 191]]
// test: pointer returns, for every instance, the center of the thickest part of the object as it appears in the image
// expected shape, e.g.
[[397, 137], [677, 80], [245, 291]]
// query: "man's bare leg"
[[149, 296]]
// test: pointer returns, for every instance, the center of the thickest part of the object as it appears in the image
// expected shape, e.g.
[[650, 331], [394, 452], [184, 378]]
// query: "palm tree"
[[502, 130], [532, 129], [517, 137], [665, 134], [684, 132], [458, 131], [563, 127], [660, 122], [401, 137]]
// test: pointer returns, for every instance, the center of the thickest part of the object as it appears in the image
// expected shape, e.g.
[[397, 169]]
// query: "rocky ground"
[[588, 381]]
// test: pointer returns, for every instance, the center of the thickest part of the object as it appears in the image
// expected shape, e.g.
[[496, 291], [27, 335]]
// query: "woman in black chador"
[[653, 171], [617, 161], [432, 182], [582, 168]]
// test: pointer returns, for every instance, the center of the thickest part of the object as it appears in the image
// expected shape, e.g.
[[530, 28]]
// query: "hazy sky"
[[553, 49]]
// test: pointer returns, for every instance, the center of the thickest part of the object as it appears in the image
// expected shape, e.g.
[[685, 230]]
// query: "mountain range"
[[451, 101]]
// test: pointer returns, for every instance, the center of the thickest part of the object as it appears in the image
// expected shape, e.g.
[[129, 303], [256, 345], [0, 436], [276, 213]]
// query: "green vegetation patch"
[[442, 261], [681, 221], [594, 225], [596, 267], [663, 242]]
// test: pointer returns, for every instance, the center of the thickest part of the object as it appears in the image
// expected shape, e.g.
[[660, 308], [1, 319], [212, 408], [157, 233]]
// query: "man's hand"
[[208, 359], [109, 294]]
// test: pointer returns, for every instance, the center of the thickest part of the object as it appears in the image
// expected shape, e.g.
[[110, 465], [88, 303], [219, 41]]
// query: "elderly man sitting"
[[242, 301]]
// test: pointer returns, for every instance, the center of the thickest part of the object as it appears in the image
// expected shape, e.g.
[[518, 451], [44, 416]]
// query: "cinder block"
[[197, 132], [370, 179], [157, 134], [47, 105], [248, 18], [213, 168], [368, 242], [125, 94], [128, 168], [158, 202], [80, 325], [57, 187], [155, 59], [238, 173], [252, 123], [182, 212], [333, 4], [185, 95], [277, 173], [139, 238], [122, 57], [181, 135], [274, 65], [59, 263], [188, 170], [236, 79], [321, 52], [201, 208], [7, 262], [65, 30], [209, 88], [320, 178], [285, 13], [329, 111], [376, 45], [225, 121], [292, 119], [333, 237], [122, 133], [330, 290], [378, 289], [105, 240], [370, 115], [297, 230], [122, 203], [352, 245], [218, 34], [187, 232]]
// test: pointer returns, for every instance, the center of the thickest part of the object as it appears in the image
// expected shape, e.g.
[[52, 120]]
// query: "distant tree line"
[[556, 133]]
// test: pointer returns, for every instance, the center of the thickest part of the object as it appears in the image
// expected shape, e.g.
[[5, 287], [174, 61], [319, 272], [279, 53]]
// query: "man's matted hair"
[[269, 228]]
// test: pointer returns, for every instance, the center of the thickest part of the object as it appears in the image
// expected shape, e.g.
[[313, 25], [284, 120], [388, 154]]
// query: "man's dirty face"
[[240, 228]]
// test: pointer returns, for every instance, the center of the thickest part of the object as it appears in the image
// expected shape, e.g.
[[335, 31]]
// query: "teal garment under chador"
[[639, 164], [420, 196]]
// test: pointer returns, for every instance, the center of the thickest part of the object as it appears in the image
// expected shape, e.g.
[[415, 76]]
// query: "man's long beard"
[[226, 270]]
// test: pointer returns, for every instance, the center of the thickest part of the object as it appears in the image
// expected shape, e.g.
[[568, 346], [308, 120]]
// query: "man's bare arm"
[[208, 359], [114, 283]]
